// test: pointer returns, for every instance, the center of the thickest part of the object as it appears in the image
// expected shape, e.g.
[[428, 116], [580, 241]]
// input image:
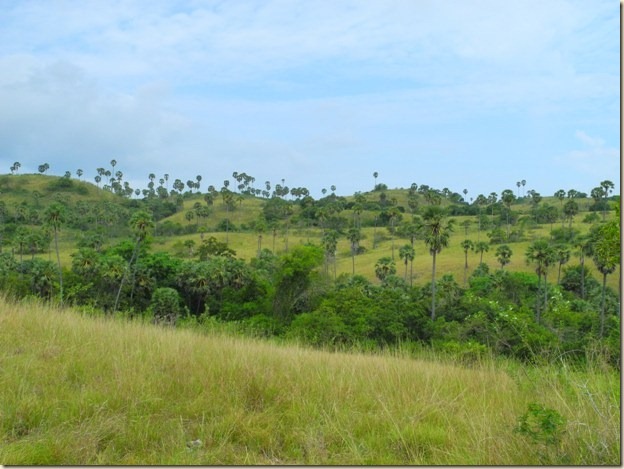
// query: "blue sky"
[[460, 94]]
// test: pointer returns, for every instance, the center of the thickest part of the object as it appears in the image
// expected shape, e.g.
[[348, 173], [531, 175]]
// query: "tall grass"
[[92, 390]]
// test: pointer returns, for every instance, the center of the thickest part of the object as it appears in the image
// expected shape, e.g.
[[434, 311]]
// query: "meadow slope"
[[83, 390]]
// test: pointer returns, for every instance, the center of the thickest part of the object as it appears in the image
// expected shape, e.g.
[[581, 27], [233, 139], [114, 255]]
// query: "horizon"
[[520, 192]]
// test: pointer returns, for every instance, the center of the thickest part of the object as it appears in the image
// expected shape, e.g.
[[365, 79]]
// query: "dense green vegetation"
[[374, 270]]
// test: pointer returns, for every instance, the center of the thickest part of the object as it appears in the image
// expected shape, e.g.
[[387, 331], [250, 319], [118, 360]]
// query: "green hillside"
[[79, 390], [526, 277]]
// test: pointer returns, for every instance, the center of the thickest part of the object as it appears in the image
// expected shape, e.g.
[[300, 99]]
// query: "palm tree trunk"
[[375, 234], [433, 289], [545, 291], [583, 278], [537, 299], [123, 278], [58, 260], [392, 233], [602, 308]]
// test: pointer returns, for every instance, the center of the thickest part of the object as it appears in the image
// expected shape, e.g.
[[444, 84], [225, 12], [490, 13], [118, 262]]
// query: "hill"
[[29, 195], [79, 390], [522, 278]]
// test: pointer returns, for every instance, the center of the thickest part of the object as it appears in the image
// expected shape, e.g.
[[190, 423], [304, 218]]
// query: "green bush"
[[166, 306]]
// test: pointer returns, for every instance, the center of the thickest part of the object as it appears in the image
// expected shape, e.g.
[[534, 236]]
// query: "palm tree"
[[562, 253], [542, 255], [329, 241], [508, 197], [503, 255], [375, 175], [384, 267], [393, 215], [407, 254], [466, 245], [607, 187], [569, 210], [354, 236], [437, 231], [481, 201], [606, 255], [481, 247], [560, 194], [55, 216], [492, 200], [584, 246], [605, 267], [141, 223]]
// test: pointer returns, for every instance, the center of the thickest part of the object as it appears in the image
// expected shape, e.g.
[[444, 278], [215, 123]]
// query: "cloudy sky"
[[460, 94]]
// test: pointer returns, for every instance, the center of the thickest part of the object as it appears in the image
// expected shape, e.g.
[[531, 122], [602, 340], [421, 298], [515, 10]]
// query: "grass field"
[[78, 390]]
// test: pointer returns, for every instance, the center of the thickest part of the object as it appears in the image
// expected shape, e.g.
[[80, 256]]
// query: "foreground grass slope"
[[82, 390]]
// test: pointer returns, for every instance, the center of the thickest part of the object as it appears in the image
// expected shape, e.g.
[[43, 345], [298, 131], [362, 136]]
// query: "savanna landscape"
[[247, 322]]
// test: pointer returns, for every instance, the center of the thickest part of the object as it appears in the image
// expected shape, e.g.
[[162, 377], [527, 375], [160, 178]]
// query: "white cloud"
[[595, 160]]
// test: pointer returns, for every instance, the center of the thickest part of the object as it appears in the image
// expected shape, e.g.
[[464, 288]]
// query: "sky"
[[462, 94]]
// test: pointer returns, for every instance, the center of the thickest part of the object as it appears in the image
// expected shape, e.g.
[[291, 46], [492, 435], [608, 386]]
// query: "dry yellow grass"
[[84, 390]]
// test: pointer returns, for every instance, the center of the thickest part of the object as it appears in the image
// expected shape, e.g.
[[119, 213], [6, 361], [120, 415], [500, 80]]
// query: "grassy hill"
[[79, 390], [22, 189]]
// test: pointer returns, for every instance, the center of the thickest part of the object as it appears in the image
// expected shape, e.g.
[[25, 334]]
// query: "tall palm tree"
[[393, 215], [542, 255], [606, 267], [569, 210], [481, 201], [560, 194], [354, 236], [508, 197], [606, 253], [607, 187], [562, 253], [466, 245], [141, 224], [584, 248], [481, 247], [329, 241], [407, 254], [55, 216], [437, 231]]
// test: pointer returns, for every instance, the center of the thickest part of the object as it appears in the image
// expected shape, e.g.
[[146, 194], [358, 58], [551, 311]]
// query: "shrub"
[[166, 306], [541, 424]]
